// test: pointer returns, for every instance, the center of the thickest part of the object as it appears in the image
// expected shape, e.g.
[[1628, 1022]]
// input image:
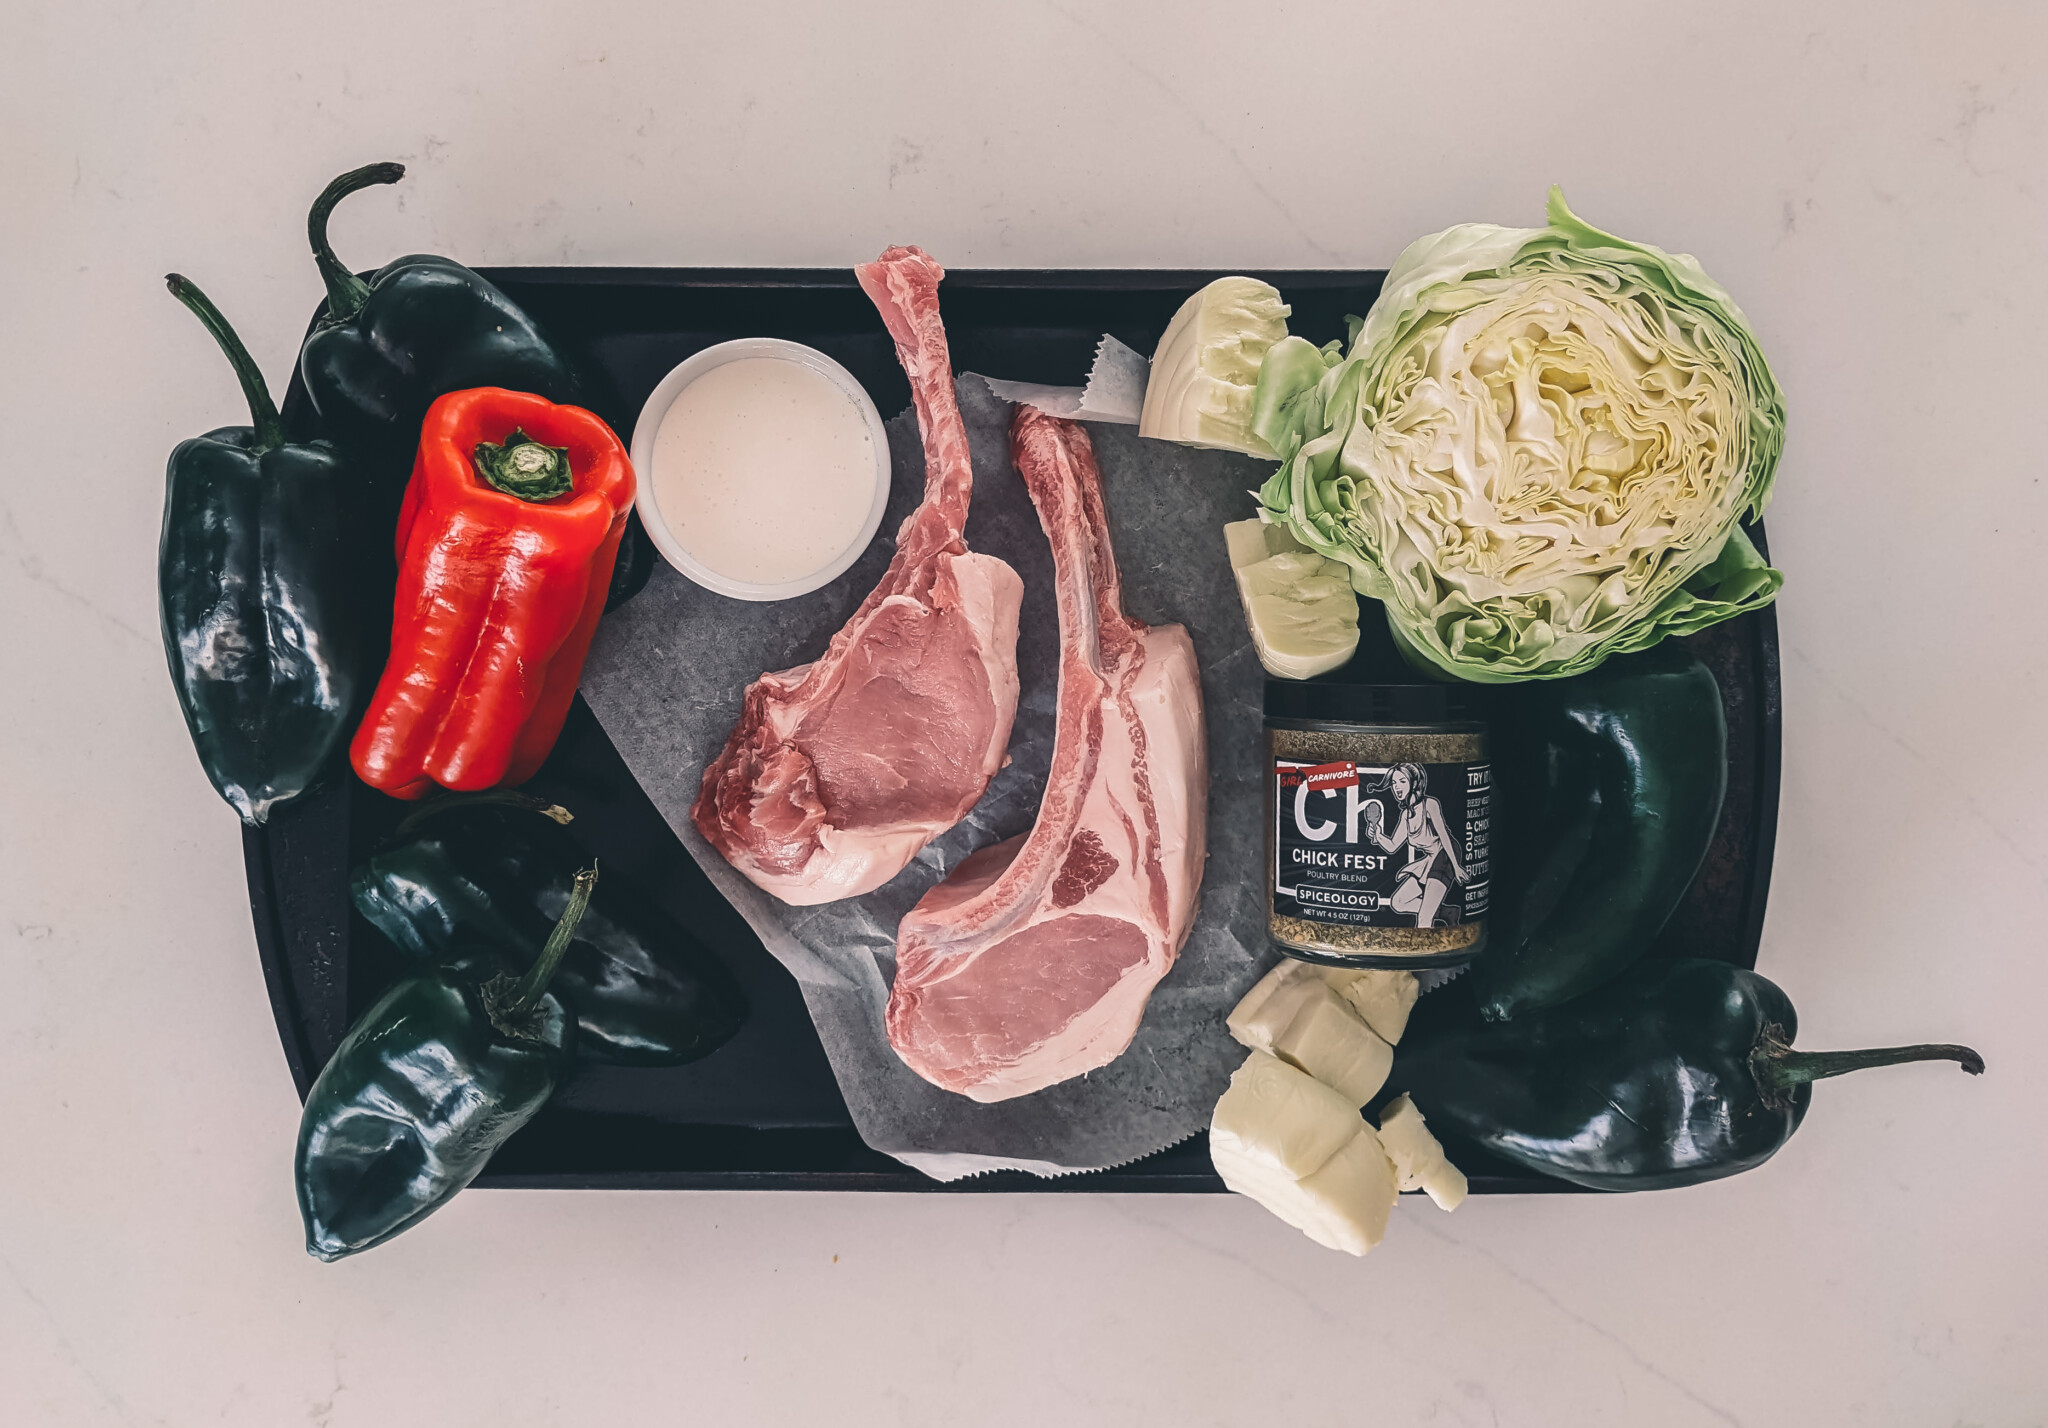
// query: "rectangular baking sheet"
[[764, 1112]]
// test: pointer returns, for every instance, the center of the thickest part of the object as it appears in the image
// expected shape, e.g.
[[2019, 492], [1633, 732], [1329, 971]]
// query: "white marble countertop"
[[1866, 179]]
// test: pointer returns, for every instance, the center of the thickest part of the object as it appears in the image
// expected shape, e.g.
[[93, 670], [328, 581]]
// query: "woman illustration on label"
[[1432, 868]]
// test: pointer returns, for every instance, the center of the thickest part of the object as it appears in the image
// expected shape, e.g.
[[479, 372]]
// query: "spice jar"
[[1379, 817]]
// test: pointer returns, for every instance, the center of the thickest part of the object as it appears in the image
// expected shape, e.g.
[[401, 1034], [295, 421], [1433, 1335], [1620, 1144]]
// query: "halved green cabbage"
[[1537, 451]]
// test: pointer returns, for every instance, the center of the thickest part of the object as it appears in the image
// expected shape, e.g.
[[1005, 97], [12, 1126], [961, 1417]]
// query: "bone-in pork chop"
[[1033, 962], [840, 770]]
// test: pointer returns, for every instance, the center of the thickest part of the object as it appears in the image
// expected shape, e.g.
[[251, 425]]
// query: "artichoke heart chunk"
[[1418, 1158], [1295, 1146], [1288, 1134]]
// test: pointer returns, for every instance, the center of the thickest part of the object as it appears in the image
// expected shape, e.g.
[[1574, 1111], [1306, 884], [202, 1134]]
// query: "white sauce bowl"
[[648, 429]]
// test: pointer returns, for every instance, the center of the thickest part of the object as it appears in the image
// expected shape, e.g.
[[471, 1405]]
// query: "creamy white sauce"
[[764, 470]]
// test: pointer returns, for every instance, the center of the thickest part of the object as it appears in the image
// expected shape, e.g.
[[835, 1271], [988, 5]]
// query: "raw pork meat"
[[1032, 963], [840, 770]]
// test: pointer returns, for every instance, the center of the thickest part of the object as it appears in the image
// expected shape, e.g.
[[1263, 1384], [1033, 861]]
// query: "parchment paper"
[[665, 675], [1115, 390]]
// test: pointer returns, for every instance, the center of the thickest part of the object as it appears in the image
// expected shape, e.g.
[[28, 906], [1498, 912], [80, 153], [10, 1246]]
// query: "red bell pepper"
[[506, 541]]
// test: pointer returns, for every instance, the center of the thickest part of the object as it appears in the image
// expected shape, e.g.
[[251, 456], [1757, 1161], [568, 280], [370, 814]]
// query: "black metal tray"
[[763, 1112]]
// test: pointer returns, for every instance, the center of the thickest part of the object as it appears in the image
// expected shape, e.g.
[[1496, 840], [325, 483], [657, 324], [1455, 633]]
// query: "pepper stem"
[[346, 293], [506, 797], [520, 466], [262, 411], [527, 994], [1778, 1068]]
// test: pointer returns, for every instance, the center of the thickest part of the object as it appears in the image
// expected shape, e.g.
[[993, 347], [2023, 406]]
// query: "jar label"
[[1405, 845]]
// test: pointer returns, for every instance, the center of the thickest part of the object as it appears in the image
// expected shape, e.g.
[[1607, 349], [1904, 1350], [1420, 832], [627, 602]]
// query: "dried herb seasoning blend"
[[1379, 818]]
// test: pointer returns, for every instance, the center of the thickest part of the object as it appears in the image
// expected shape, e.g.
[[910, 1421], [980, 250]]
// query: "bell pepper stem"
[[1778, 1068], [262, 411], [520, 466], [502, 797], [346, 293], [527, 994]]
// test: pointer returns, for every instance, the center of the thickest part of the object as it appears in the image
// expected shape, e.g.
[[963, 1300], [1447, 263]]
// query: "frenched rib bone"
[[1033, 962], [840, 770]]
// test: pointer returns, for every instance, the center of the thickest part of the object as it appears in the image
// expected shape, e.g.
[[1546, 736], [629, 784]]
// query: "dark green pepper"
[[1677, 1073], [383, 350], [1633, 763], [491, 868], [424, 1089], [257, 593]]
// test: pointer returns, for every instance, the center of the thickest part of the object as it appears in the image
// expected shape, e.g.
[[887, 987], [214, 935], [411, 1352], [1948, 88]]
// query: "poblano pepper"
[[257, 594], [494, 869], [383, 350], [424, 1089], [1677, 1073], [1632, 763]]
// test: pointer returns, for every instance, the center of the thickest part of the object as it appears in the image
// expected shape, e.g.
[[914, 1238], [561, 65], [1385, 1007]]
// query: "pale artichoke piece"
[[1299, 606], [1327, 1040], [1382, 996], [1342, 1206], [1357, 1186], [1418, 1157], [1204, 369], [1269, 1007], [1248, 1005], [1281, 1118]]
